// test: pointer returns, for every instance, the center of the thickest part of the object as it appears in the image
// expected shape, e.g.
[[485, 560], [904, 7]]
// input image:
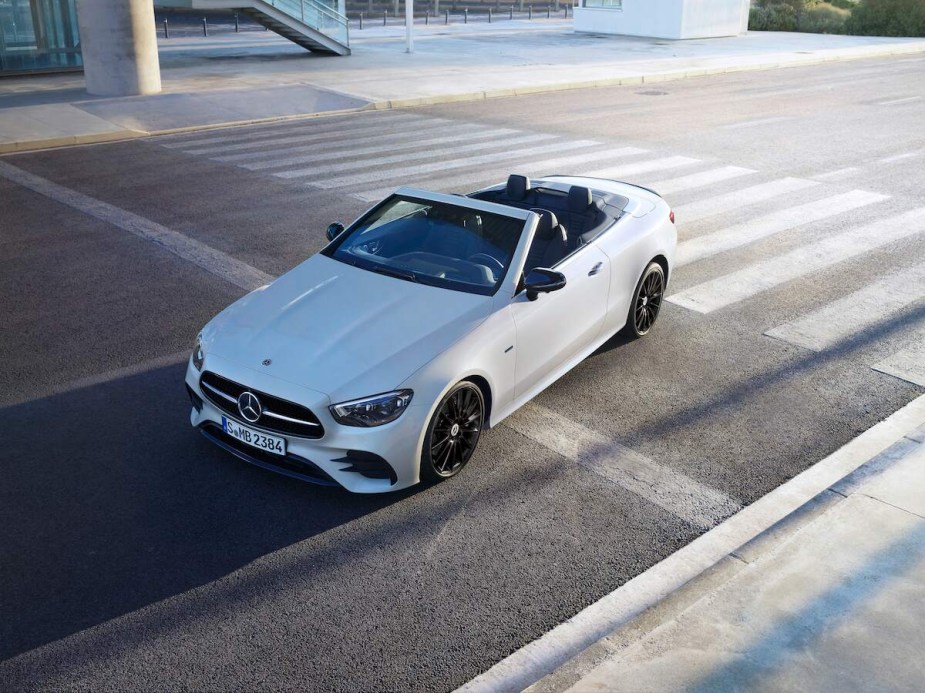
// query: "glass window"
[[445, 245], [38, 35], [609, 4]]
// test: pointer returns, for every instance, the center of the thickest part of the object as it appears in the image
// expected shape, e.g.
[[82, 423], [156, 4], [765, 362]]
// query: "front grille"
[[279, 415], [290, 465]]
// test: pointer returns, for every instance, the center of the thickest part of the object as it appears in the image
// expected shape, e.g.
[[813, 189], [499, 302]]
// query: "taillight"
[[671, 217]]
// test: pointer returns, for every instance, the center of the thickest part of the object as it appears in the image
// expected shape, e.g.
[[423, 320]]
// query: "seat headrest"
[[517, 187], [548, 224], [579, 198]]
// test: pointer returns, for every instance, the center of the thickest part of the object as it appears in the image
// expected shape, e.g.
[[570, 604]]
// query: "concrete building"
[[667, 19]]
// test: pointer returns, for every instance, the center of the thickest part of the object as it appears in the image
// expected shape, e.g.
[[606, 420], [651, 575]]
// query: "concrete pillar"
[[118, 43]]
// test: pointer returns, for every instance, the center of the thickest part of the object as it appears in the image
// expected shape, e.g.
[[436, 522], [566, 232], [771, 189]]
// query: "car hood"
[[342, 330]]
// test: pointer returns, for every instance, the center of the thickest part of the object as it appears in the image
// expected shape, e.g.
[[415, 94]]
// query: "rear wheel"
[[453, 432], [647, 301]]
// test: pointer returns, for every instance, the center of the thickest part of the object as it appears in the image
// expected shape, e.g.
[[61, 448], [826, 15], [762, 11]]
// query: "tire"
[[453, 432], [647, 301]]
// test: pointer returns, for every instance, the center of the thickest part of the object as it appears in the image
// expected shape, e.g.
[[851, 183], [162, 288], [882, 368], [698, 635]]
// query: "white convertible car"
[[379, 361]]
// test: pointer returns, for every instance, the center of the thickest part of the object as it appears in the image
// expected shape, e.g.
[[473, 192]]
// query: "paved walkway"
[[240, 78], [830, 597]]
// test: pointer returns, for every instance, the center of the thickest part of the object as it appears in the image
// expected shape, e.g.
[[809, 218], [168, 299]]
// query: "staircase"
[[313, 24]]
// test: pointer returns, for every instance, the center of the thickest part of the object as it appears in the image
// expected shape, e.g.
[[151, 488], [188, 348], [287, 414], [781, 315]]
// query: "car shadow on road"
[[110, 501]]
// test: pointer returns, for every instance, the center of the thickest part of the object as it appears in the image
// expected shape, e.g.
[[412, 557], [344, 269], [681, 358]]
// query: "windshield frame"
[[526, 218]]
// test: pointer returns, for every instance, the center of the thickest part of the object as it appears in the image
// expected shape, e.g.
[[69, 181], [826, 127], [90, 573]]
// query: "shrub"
[[772, 18], [823, 19], [888, 18], [844, 4]]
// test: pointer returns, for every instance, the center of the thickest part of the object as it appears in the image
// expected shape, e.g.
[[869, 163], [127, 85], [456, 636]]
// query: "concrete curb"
[[836, 55], [708, 558]]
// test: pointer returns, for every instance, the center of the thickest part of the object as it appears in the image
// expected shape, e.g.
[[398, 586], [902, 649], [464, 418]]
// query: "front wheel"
[[453, 432], [647, 301]]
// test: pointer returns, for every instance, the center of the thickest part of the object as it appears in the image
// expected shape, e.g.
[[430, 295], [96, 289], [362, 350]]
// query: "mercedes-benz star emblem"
[[267, 362], [249, 406]]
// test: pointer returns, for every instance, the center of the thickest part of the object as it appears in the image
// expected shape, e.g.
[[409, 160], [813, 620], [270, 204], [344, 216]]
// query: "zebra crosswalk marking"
[[874, 303], [422, 169], [392, 146], [336, 146], [338, 137], [742, 234], [366, 164], [636, 168], [700, 180], [241, 135], [768, 274], [738, 199], [487, 177], [907, 364]]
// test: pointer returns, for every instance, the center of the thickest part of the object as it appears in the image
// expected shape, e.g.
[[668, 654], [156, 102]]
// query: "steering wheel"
[[492, 260]]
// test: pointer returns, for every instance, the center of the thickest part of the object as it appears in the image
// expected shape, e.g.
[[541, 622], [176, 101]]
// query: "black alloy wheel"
[[453, 432], [647, 301]]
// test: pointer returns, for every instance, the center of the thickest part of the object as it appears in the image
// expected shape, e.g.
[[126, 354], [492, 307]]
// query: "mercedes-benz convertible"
[[380, 361]]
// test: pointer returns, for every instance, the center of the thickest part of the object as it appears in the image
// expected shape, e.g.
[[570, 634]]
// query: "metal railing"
[[316, 14]]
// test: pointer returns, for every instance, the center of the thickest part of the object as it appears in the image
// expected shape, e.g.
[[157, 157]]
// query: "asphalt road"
[[135, 555]]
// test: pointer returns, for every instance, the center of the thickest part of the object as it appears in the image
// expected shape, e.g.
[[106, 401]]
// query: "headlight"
[[198, 354], [372, 411]]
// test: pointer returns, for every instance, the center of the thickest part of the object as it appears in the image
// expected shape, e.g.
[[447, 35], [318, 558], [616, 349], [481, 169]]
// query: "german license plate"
[[255, 439]]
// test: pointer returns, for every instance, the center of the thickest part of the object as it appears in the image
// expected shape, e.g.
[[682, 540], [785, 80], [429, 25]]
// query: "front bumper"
[[345, 455]]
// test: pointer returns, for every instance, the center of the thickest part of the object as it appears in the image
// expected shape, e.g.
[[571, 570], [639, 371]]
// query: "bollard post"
[[166, 32], [547, 11], [465, 15], [205, 27], [529, 11], [426, 16], [237, 27], [489, 15], [512, 12], [361, 20], [385, 14], [446, 19]]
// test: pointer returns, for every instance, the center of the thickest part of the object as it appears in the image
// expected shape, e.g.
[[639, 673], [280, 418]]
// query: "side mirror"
[[334, 230], [541, 280]]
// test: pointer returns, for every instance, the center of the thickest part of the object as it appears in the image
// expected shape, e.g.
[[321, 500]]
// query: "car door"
[[557, 325]]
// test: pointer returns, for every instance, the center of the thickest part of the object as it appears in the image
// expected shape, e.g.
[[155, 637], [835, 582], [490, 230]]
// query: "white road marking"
[[765, 275], [737, 199], [692, 501], [366, 164], [417, 144], [699, 180], [337, 136], [758, 122], [893, 102], [289, 128], [901, 157], [824, 327], [339, 144], [837, 174], [434, 167], [748, 232], [637, 167], [213, 261], [487, 176], [908, 364]]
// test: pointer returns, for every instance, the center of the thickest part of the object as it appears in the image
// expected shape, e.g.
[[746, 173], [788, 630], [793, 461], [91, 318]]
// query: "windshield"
[[432, 243]]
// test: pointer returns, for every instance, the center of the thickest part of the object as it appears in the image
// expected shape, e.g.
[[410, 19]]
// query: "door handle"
[[597, 268]]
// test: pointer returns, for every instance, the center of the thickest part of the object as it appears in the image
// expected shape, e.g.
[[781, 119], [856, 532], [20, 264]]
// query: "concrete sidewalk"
[[830, 597], [257, 76]]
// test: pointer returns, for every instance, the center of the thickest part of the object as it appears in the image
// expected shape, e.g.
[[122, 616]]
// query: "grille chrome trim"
[[217, 392], [224, 393], [274, 415]]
